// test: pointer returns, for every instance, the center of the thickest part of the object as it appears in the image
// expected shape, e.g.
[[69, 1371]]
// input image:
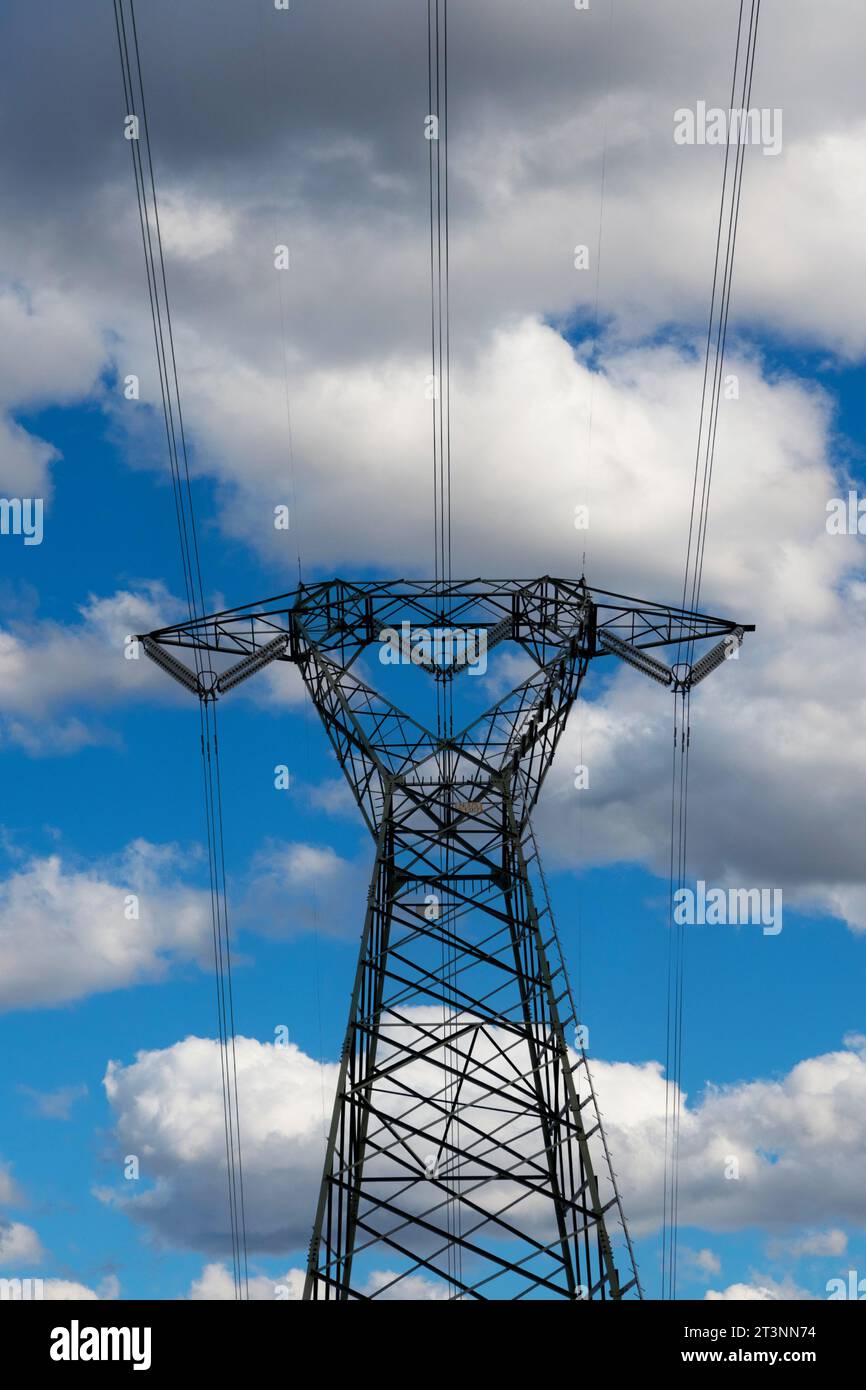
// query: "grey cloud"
[[810, 1118]]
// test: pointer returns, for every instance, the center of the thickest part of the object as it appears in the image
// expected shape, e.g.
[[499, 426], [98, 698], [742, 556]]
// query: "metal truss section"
[[342, 618], [466, 1157]]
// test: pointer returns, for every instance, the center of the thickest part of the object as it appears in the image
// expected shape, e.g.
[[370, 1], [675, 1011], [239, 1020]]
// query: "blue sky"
[[754, 1008], [99, 758]]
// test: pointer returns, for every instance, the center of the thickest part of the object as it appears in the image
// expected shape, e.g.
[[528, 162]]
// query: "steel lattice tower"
[[465, 1146]]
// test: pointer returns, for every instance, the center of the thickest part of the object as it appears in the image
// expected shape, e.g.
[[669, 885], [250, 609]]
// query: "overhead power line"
[[137, 132], [711, 393]]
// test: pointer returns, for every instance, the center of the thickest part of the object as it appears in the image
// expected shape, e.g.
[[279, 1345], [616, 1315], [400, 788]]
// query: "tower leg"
[[458, 1163], [329, 1265]]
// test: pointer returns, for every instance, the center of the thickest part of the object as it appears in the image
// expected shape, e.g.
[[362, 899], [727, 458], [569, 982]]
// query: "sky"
[[306, 388]]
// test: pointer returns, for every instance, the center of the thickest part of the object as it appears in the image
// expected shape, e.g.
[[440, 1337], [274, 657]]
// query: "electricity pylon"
[[466, 1156]]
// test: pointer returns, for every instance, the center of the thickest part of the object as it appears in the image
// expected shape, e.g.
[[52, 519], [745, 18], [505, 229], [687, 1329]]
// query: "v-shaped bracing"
[[465, 1157]]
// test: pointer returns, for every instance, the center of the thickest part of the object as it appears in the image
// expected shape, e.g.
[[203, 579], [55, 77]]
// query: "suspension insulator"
[[250, 664], [713, 658], [170, 664], [640, 660]]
